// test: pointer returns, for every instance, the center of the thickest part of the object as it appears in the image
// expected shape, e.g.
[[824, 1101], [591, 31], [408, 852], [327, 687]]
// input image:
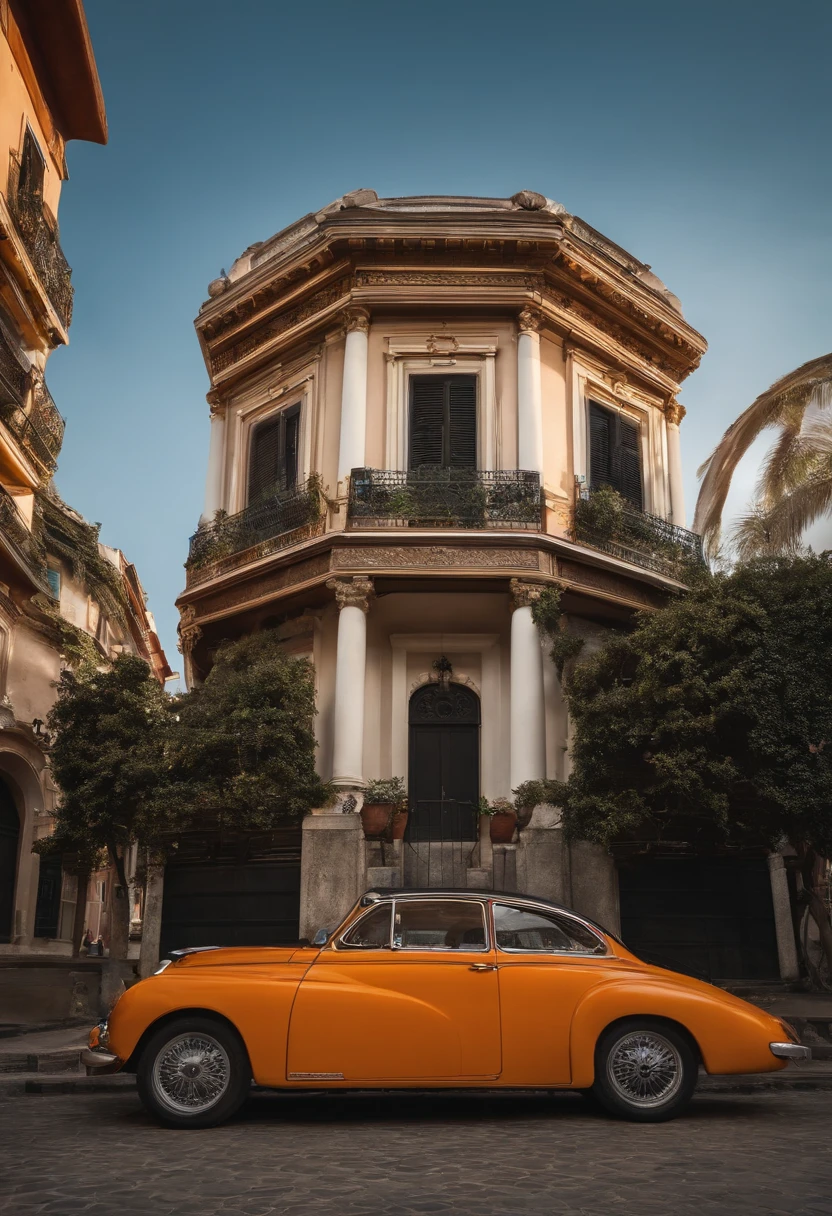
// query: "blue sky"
[[696, 136]]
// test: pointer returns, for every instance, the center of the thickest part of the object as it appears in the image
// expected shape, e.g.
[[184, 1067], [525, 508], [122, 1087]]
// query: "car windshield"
[[371, 931]]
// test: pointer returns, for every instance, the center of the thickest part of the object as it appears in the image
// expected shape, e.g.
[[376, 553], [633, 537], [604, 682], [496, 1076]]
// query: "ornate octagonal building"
[[408, 399]]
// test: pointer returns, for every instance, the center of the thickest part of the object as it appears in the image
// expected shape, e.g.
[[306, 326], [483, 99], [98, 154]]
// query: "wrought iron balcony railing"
[[42, 244], [603, 520], [445, 498], [257, 531], [27, 546], [40, 432], [13, 377]]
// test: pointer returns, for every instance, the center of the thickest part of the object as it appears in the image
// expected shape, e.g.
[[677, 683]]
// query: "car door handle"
[[483, 967]]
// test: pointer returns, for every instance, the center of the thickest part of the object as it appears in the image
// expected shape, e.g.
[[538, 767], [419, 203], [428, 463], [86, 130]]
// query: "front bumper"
[[790, 1051], [100, 1062]]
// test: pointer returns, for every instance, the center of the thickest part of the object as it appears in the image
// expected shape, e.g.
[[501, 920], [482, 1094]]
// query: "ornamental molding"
[[425, 556], [254, 590], [352, 594], [674, 412], [215, 404], [623, 337], [524, 595], [189, 631], [261, 334], [432, 677]]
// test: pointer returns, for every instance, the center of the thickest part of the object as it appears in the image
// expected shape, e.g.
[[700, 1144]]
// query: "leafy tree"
[[109, 728], [716, 712], [241, 753]]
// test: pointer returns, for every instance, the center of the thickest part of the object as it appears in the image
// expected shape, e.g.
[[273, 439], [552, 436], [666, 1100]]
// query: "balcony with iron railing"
[[23, 543], [275, 523], [41, 239], [445, 498], [605, 521]]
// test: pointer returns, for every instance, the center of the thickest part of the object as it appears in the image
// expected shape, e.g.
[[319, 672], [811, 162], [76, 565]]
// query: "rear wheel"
[[645, 1070], [194, 1072]]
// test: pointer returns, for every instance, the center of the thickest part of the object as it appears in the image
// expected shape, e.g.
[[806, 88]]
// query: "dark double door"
[[443, 780]]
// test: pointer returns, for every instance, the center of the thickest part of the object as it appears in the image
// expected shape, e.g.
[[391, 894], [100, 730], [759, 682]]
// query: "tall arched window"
[[273, 455]]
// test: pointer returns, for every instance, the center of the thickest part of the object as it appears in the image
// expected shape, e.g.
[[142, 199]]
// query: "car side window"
[[437, 924], [525, 930], [371, 931]]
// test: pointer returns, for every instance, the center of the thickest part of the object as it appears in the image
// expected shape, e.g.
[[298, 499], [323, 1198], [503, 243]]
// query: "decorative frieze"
[[352, 594], [448, 278], [425, 556]]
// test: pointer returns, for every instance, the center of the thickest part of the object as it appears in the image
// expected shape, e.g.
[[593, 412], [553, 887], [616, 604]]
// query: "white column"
[[674, 413], [350, 668], [216, 459], [354, 394], [529, 393], [528, 712]]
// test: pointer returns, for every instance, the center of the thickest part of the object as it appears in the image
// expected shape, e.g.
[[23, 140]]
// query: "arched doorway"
[[444, 764], [9, 837]]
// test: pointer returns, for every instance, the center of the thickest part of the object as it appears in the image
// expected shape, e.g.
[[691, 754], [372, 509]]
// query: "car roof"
[[481, 893]]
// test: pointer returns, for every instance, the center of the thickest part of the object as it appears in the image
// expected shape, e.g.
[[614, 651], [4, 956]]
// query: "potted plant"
[[503, 819], [385, 809]]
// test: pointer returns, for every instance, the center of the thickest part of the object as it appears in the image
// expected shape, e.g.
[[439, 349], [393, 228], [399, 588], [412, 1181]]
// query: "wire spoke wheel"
[[644, 1068], [191, 1073]]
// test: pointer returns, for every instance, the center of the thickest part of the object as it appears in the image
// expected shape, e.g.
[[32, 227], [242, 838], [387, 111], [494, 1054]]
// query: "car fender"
[[257, 1001], [731, 1035]]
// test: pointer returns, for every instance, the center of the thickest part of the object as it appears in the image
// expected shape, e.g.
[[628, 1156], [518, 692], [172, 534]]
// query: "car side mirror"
[[321, 937]]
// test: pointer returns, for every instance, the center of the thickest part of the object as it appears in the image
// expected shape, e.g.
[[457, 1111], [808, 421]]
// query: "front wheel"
[[194, 1072], [645, 1070]]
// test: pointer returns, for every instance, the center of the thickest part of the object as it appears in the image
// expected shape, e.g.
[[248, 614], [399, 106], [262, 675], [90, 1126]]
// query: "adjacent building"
[[63, 595], [409, 399]]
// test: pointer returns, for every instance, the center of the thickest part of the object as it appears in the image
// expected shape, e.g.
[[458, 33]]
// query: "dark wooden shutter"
[[273, 457], [462, 422], [443, 422], [614, 453], [629, 458], [30, 181]]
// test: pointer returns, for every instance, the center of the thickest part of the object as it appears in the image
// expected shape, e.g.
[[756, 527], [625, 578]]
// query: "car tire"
[[193, 1072], [645, 1070]]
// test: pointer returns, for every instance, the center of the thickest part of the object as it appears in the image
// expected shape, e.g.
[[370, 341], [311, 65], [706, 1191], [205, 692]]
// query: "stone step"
[[13, 1085], [41, 1062]]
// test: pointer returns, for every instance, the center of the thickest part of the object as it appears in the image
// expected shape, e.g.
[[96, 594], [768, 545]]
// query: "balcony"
[[256, 532], [605, 521], [24, 545], [40, 238], [445, 498], [40, 432]]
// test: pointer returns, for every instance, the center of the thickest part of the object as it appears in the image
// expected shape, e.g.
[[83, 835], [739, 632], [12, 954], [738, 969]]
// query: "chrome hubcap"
[[191, 1073], [644, 1068]]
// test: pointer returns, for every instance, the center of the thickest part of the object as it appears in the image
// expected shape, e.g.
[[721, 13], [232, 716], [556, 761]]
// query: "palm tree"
[[795, 484]]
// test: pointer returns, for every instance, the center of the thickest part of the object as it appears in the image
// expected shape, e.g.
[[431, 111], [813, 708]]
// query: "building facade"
[[410, 400], [62, 594]]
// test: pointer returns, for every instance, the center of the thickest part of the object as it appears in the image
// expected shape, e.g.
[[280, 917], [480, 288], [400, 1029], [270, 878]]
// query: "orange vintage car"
[[432, 989]]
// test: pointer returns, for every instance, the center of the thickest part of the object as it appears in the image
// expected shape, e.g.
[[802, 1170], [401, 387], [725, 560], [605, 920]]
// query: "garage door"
[[256, 903], [711, 917]]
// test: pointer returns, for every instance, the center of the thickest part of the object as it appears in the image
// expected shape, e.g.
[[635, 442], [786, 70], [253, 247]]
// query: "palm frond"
[[786, 400], [780, 528]]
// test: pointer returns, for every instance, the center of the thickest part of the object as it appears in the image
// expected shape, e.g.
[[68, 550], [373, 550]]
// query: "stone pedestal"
[[542, 859], [333, 870], [152, 921], [594, 884]]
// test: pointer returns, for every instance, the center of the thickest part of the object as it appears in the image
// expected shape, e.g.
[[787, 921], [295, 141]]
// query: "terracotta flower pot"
[[398, 825], [375, 819], [502, 827]]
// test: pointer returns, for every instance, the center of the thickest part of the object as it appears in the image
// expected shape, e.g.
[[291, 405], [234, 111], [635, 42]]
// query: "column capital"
[[189, 631], [356, 317], [674, 412], [354, 594], [215, 403], [530, 320], [523, 595]]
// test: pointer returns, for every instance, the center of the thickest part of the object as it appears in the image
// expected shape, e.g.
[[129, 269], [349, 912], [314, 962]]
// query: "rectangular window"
[[443, 422], [273, 455], [54, 579], [439, 925], [614, 455]]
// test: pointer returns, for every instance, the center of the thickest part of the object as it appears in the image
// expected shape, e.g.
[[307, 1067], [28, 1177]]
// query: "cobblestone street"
[[101, 1155]]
